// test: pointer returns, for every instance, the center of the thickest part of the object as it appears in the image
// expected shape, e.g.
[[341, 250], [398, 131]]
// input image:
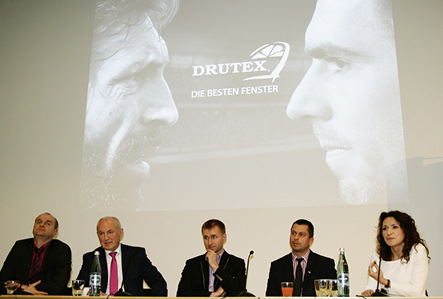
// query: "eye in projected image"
[[351, 94]]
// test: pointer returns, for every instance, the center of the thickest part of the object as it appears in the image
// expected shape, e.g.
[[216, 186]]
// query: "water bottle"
[[342, 275], [95, 276]]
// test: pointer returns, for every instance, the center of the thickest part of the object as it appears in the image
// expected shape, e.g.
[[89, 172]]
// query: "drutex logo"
[[266, 62]]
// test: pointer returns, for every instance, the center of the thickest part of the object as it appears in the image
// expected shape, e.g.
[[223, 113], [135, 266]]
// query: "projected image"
[[129, 101], [234, 79], [351, 96]]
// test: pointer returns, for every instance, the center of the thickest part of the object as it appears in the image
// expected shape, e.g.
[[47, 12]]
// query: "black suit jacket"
[[136, 267], [54, 272], [230, 276], [282, 270]]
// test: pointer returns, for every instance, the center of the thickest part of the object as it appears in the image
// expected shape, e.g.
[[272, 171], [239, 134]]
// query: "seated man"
[[41, 264], [131, 265], [215, 273], [302, 265]]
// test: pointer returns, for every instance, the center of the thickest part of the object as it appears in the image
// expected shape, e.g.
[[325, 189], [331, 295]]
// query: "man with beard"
[[351, 95], [129, 100]]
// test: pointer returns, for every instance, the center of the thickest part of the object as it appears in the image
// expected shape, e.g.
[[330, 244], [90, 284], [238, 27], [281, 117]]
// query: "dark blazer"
[[230, 276], [282, 270], [136, 267], [54, 272]]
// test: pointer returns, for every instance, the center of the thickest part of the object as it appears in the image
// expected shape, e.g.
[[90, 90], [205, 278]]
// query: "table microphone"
[[377, 292], [245, 292]]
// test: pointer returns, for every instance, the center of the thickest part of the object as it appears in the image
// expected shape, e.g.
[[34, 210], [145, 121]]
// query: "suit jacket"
[[230, 276], [136, 267], [55, 270], [282, 270]]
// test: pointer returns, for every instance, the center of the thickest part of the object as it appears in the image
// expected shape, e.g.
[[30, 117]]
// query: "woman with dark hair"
[[403, 254]]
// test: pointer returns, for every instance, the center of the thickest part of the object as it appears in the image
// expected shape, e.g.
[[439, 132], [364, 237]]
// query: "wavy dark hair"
[[412, 237]]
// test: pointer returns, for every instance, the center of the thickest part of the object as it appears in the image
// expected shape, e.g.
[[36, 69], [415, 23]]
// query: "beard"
[[115, 181]]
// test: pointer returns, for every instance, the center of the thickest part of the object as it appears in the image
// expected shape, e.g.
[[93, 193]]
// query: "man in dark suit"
[[302, 261], [132, 266], [215, 273], [41, 264]]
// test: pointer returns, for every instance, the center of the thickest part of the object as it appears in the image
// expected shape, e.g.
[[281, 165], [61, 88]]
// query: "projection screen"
[[257, 113]]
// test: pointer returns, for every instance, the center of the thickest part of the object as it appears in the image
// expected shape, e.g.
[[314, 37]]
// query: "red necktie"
[[113, 282], [35, 266]]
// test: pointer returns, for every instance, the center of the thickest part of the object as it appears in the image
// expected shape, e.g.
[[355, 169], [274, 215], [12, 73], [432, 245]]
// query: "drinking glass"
[[11, 286], [321, 287], [77, 287], [332, 286], [287, 288]]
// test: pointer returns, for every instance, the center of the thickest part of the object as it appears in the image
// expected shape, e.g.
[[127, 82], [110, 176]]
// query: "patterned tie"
[[113, 282], [34, 274], [298, 278]]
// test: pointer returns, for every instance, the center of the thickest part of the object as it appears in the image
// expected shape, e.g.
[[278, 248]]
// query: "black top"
[[230, 276], [55, 270]]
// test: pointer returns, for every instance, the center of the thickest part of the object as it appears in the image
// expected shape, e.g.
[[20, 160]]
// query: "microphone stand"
[[245, 292], [377, 292]]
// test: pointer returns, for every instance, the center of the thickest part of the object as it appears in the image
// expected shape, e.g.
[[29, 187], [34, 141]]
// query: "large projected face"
[[128, 103], [351, 94]]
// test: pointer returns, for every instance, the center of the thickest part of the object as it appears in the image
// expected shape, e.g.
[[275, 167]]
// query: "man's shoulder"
[[59, 244], [24, 242], [91, 253], [231, 256], [196, 259], [283, 259], [131, 249], [319, 258]]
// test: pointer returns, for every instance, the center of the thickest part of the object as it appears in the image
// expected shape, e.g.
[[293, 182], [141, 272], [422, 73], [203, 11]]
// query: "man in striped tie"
[[41, 264]]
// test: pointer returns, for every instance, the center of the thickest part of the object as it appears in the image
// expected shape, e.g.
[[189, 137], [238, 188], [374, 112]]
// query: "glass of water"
[[332, 286], [11, 286], [77, 287], [321, 287]]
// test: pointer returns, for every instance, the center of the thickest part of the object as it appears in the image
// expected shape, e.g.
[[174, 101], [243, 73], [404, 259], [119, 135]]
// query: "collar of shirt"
[[43, 247], [41, 250], [304, 262]]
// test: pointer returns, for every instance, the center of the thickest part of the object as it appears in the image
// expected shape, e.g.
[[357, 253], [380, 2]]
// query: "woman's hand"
[[373, 271]]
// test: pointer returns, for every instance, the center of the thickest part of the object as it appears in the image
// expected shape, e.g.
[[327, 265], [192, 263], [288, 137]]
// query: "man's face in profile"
[[128, 103], [351, 94]]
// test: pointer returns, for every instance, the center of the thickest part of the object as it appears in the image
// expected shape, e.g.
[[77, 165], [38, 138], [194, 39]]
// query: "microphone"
[[120, 291], [245, 292], [378, 292]]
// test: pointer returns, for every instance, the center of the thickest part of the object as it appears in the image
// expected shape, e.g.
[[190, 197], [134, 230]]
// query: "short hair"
[[56, 221], [305, 222], [115, 17], [119, 226], [214, 222], [412, 237]]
